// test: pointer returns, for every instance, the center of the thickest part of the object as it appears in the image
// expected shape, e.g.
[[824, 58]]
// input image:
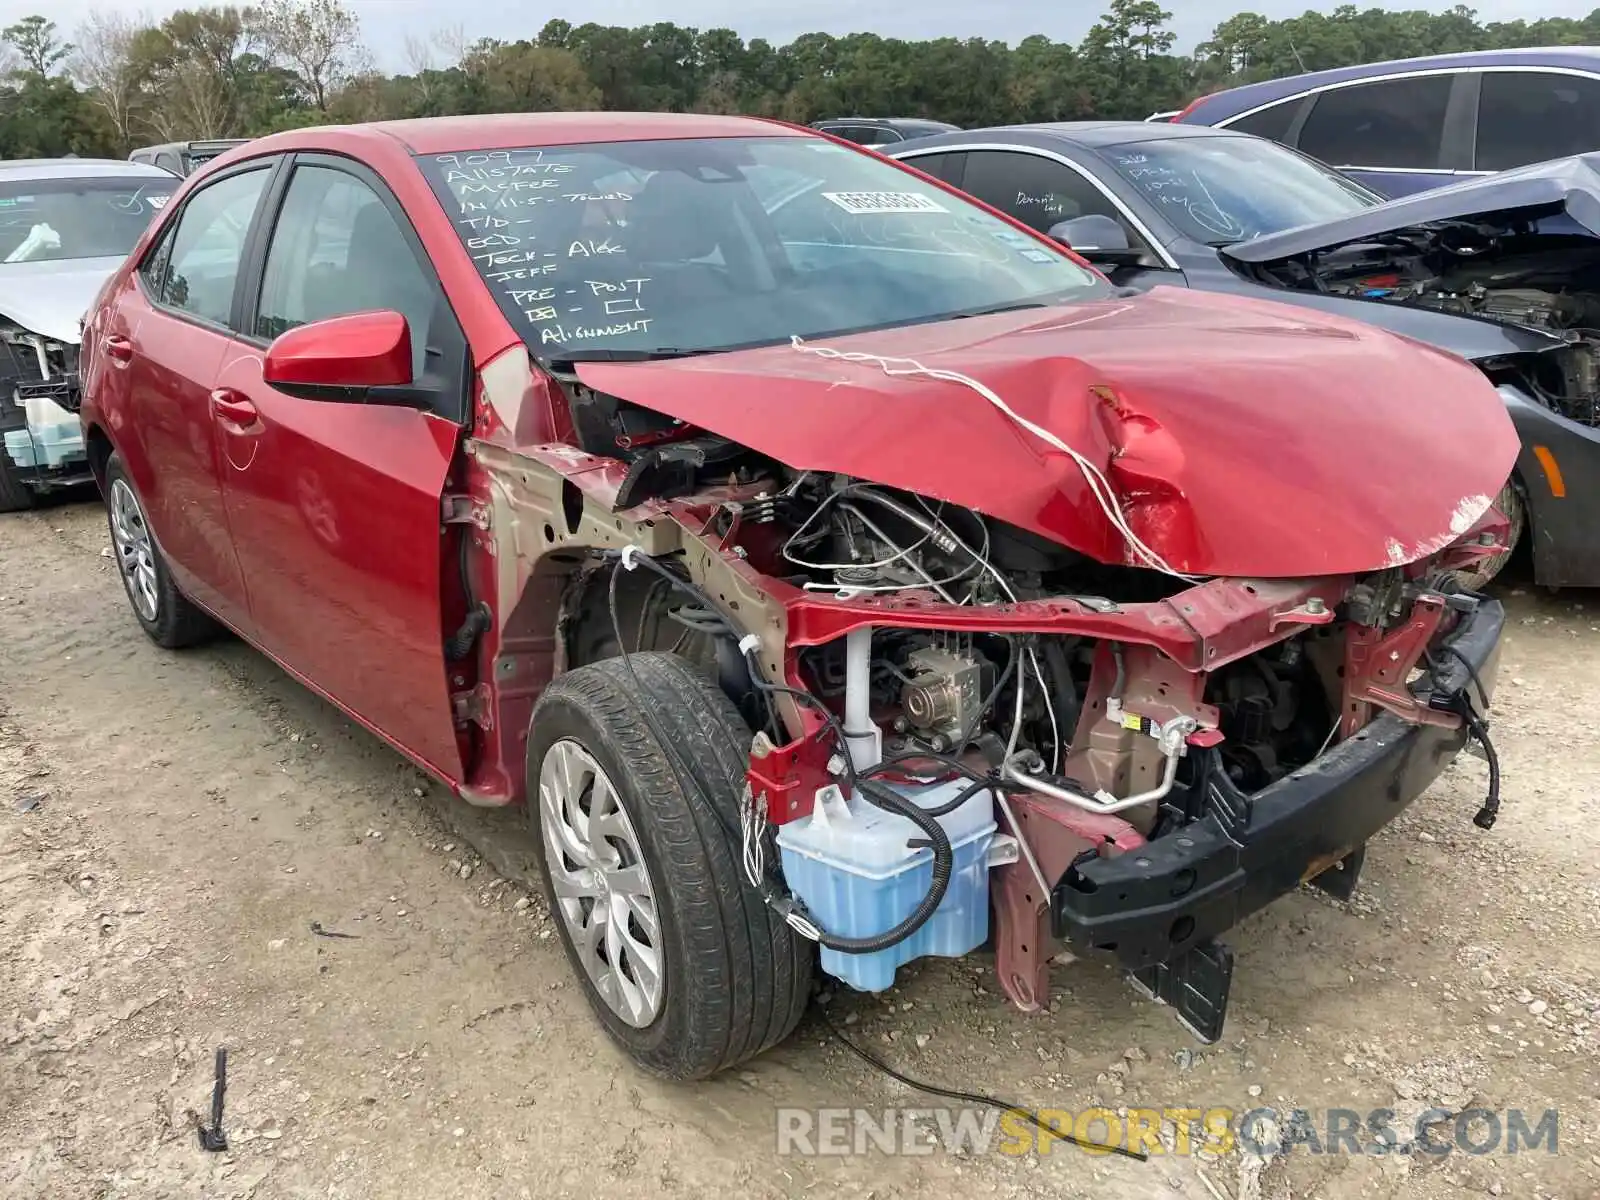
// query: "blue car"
[[1419, 123], [1474, 269]]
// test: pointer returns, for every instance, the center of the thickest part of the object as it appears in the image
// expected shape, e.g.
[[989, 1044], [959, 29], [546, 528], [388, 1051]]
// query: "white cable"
[[937, 585], [905, 553], [803, 927], [752, 823], [827, 502], [934, 527], [1099, 486], [1050, 710], [1033, 659]]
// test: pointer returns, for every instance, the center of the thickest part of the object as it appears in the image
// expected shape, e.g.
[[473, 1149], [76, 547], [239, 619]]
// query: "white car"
[[65, 226]]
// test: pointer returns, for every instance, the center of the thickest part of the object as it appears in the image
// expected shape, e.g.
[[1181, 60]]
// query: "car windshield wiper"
[[656, 354], [1002, 308]]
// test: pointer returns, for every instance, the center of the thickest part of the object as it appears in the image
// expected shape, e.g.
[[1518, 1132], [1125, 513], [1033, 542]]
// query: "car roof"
[[498, 131], [1232, 100], [883, 121], [1086, 134], [21, 169]]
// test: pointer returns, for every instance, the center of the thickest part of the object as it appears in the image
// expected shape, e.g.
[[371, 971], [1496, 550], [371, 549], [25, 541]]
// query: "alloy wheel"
[[601, 883], [135, 551]]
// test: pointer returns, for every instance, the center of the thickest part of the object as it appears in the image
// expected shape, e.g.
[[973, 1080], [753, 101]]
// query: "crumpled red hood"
[[1246, 438]]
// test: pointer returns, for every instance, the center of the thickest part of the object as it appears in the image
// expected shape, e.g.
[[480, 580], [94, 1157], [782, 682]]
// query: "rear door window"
[[1386, 123], [863, 135], [1531, 116]]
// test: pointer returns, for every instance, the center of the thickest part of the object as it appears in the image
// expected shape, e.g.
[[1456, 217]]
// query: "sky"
[[387, 24]]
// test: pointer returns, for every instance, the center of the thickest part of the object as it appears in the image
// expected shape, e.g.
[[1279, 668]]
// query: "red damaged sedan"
[[839, 572]]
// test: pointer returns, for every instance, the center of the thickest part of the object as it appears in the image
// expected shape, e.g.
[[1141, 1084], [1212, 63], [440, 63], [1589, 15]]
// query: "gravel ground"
[[172, 825]]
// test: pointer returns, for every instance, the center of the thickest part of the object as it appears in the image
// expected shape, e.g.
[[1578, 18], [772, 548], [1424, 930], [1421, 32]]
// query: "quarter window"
[[197, 275], [941, 166], [1531, 116], [1387, 123]]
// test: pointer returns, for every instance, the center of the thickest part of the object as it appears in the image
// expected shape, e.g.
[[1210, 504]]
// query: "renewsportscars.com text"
[[1180, 1131]]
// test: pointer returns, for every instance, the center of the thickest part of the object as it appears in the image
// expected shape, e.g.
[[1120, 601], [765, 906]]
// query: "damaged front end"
[[970, 732], [1502, 269], [39, 401], [1155, 768], [1520, 249]]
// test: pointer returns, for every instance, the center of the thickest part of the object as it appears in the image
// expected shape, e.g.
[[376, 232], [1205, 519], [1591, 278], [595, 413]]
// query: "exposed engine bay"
[[1011, 713], [1502, 271], [949, 693], [994, 696]]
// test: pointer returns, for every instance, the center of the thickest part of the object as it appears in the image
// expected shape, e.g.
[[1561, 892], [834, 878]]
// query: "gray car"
[[882, 131], [184, 158], [1503, 271], [65, 225]]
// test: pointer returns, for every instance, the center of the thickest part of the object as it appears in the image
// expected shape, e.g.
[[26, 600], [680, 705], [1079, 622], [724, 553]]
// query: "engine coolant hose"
[[889, 800]]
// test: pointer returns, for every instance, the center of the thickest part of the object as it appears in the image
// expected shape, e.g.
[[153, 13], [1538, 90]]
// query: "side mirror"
[[1098, 238], [360, 357]]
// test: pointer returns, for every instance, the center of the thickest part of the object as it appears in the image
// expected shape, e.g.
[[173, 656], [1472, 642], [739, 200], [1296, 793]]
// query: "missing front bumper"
[[41, 432], [1159, 908]]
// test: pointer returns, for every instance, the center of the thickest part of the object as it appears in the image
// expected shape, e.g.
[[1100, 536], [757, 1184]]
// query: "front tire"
[[15, 494], [169, 617], [686, 967]]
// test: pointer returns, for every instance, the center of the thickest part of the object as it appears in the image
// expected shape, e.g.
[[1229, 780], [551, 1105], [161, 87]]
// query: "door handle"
[[118, 348], [234, 407]]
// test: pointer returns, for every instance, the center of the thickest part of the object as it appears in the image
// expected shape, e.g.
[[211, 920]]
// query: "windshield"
[[1219, 190], [55, 219], [715, 243]]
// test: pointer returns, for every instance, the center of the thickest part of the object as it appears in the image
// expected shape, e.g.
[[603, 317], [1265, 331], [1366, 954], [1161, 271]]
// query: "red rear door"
[[165, 345], [335, 506]]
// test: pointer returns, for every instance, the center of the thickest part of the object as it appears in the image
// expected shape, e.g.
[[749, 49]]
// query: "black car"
[[1503, 271], [882, 131]]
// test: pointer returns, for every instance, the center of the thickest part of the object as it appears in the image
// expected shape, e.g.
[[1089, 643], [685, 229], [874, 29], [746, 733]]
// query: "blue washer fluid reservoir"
[[853, 867]]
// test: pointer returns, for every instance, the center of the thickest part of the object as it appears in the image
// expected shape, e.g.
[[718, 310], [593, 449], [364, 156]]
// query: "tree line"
[[227, 71]]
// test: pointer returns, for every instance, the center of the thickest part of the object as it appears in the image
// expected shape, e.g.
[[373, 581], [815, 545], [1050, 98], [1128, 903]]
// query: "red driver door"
[[334, 505]]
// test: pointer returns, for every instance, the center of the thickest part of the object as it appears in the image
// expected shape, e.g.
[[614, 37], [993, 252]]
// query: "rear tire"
[[733, 979], [169, 617]]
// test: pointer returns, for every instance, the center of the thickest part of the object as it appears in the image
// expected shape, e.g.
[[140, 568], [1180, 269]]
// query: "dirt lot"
[[196, 813]]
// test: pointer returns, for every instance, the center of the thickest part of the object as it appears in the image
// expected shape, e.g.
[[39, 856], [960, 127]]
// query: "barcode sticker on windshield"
[[884, 202]]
